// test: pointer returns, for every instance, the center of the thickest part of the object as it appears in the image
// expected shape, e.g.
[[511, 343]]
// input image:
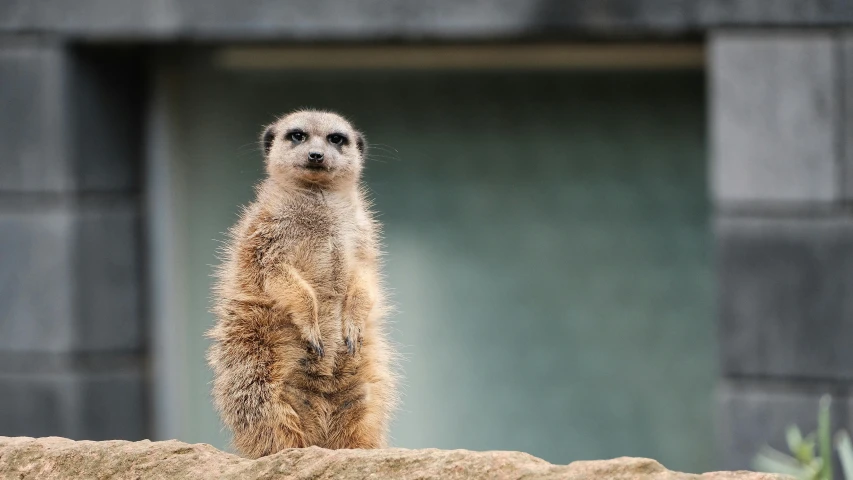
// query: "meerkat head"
[[313, 147]]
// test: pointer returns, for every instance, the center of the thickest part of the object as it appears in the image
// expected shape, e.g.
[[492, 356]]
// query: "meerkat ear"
[[267, 139], [360, 143]]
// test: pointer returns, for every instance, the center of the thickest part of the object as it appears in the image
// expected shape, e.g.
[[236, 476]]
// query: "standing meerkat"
[[299, 354]]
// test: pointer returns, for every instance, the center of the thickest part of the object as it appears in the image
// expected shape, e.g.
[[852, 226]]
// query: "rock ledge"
[[60, 458]]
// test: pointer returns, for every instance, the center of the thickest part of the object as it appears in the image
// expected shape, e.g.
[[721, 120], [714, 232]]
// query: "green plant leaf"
[[774, 461], [811, 457], [805, 451], [845, 453], [824, 436], [794, 438]]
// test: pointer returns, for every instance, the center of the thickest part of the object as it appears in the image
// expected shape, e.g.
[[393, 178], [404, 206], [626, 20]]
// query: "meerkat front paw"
[[352, 335], [313, 340]]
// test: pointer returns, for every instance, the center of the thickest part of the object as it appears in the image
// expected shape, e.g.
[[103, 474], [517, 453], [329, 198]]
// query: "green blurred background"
[[548, 248]]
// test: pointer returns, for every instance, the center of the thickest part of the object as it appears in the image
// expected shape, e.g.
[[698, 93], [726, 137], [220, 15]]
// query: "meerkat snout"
[[315, 158]]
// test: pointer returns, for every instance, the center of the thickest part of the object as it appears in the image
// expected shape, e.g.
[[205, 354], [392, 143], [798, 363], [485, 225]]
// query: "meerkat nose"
[[315, 157]]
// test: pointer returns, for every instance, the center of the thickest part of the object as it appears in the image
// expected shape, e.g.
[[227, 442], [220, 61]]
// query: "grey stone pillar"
[[72, 346], [781, 182]]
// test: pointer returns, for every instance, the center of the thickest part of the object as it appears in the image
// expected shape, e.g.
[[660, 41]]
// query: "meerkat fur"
[[299, 351]]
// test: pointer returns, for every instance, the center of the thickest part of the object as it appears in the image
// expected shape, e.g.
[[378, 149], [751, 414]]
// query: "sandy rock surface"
[[60, 458]]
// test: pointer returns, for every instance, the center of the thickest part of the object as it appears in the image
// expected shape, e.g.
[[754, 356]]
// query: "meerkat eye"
[[337, 139], [297, 136]]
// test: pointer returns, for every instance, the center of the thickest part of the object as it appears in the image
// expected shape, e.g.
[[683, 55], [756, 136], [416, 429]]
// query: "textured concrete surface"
[[406, 19], [774, 117], [783, 287]]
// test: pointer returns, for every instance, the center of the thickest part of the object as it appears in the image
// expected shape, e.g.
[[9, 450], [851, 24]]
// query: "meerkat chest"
[[321, 245], [327, 263]]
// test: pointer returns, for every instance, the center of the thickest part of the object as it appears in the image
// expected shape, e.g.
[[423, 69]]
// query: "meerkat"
[[298, 352]]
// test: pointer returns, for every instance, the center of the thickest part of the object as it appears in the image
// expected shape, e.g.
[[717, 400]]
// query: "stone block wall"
[[72, 337], [780, 170]]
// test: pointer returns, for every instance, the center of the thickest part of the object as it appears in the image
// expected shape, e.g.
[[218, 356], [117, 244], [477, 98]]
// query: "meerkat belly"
[[325, 268], [323, 263]]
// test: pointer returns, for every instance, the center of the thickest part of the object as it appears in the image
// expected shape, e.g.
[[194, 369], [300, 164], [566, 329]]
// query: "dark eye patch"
[[296, 136], [337, 139]]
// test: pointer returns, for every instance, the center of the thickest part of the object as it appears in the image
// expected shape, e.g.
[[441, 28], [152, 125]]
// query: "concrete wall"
[[169, 20], [72, 338], [71, 275], [781, 168]]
